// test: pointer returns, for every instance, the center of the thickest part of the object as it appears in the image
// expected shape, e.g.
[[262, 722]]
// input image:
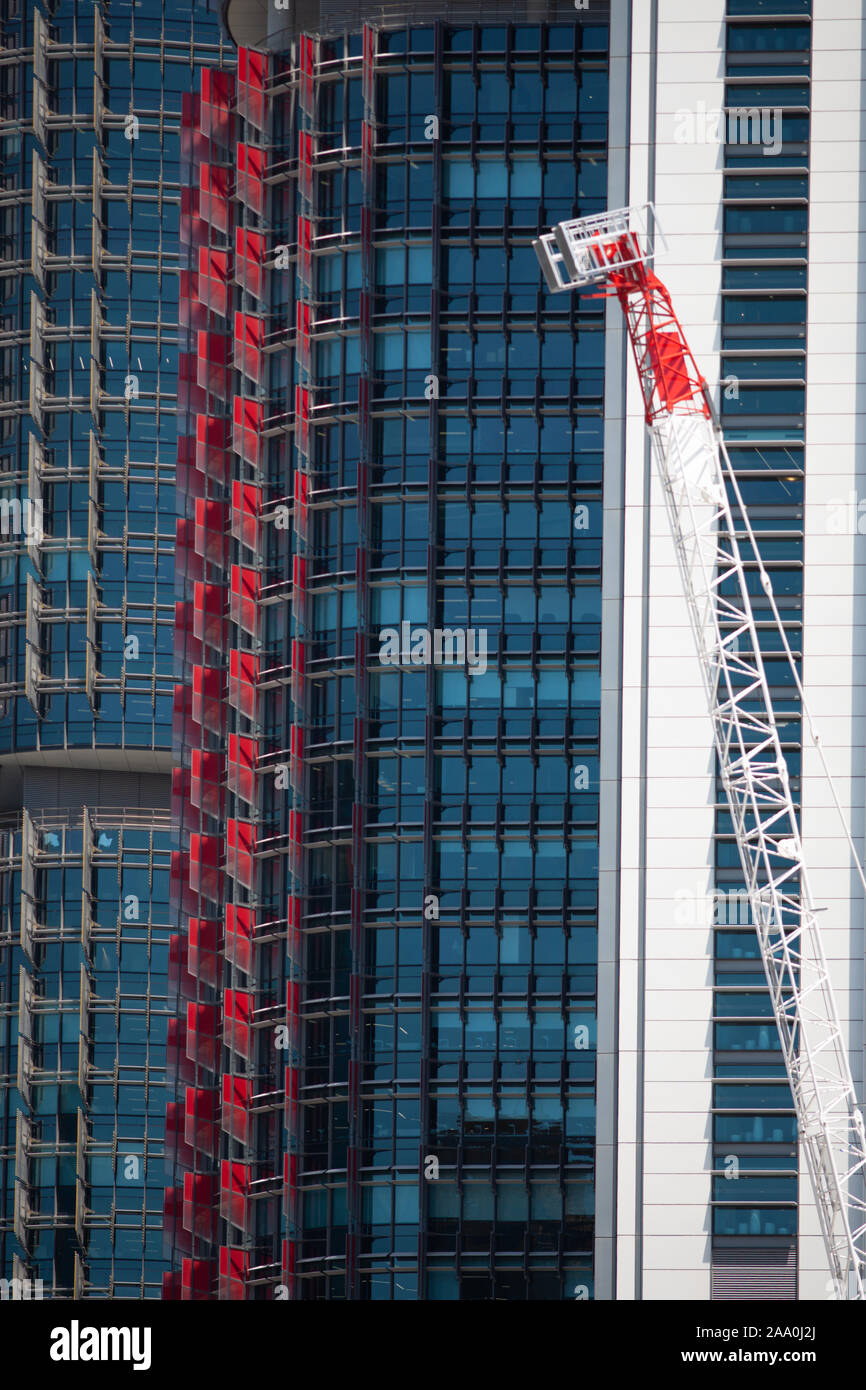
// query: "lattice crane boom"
[[612, 250]]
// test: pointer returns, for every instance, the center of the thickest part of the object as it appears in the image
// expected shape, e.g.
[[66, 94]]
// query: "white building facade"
[[742, 127]]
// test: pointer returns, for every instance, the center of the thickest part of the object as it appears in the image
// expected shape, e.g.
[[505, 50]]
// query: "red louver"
[[233, 1270], [204, 862], [214, 272], [235, 1114], [203, 1025], [206, 773], [201, 1119], [199, 1215], [214, 195], [196, 1278], [204, 949], [250, 252], [243, 677], [251, 75], [239, 936]]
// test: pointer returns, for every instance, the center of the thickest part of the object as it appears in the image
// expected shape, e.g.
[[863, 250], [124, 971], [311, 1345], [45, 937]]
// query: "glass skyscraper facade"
[[90, 143], [388, 700]]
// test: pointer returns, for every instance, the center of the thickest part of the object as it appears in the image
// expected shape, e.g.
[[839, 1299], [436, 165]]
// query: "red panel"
[[177, 1064], [236, 1097], [307, 65], [302, 511], [302, 423], [299, 668], [234, 1192], [302, 333], [171, 1286], [187, 644], [181, 895], [194, 230], [190, 482], [199, 1204], [208, 687], [249, 341], [250, 252], [240, 766], [289, 1260], [206, 773], [247, 420], [187, 564], [214, 195], [179, 794], [204, 857], [209, 607], [237, 1016], [217, 94], [293, 1006], [197, 1278], [245, 511], [305, 164], [296, 756], [290, 1183], [252, 74], [240, 849], [250, 181], [201, 1112], [174, 1237], [234, 1267], [184, 726], [305, 250], [190, 395], [214, 272], [209, 531], [299, 589], [177, 1150], [243, 678], [203, 1034], [296, 839], [204, 949], [194, 146], [212, 367], [294, 943], [192, 312], [244, 586], [291, 1083], [212, 442], [179, 977], [239, 936]]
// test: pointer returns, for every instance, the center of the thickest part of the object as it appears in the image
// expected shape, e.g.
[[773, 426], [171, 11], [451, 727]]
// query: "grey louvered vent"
[[754, 1274]]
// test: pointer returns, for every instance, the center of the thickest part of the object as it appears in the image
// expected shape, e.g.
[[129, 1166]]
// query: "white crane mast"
[[613, 249]]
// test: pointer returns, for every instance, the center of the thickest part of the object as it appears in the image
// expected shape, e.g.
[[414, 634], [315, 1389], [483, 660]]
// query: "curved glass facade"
[[90, 140], [84, 933], [90, 114], [391, 685]]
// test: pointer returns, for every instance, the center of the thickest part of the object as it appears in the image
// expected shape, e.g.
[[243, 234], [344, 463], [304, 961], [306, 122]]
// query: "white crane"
[[613, 249]]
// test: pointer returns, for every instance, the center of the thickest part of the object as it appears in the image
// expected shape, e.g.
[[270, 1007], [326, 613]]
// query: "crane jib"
[[613, 250]]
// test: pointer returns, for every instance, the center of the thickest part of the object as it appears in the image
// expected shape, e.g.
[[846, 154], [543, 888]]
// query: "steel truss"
[[701, 493]]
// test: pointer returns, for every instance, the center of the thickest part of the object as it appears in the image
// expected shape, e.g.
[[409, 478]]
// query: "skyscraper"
[[472, 1005], [391, 689], [89, 135]]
